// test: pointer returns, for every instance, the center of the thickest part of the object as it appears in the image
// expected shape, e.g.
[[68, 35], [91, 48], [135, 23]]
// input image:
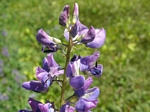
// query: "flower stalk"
[[64, 83]]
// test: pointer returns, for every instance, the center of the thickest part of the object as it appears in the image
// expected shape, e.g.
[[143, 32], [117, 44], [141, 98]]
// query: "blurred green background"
[[125, 83]]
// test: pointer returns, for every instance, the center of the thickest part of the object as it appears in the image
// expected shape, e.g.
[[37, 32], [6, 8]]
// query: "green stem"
[[62, 101]]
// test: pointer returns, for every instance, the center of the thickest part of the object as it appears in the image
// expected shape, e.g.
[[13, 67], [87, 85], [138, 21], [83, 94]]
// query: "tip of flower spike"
[[75, 13], [76, 9]]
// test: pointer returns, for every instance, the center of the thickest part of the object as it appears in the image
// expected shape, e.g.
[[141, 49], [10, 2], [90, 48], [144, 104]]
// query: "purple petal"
[[67, 108], [63, 108], [77, 28], [34, 105], [39, 70], [66, 34], [97, 71], [99, 39], [46, 107], [83, 32], [84, 105], [92, 94], [34, 86], [76, 12], [73, 67], [88, 61], [79, 92], [54, 71], [44, 77], [47, 80], [45, 65], [83, 67], [77, 82], [89, 36], [43, 38], [87, 83], [64, 15], [40, 76], [94, 101], [51, 61], [69, 71]]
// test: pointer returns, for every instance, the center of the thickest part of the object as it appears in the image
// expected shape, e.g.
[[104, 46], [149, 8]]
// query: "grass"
[[125, 56]]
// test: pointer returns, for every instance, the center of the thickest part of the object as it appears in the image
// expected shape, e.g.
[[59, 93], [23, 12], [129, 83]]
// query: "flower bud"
[[64, 16], [75, 13]]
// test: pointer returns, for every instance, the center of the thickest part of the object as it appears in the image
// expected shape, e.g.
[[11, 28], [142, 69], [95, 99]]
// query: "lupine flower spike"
[[77, 72]]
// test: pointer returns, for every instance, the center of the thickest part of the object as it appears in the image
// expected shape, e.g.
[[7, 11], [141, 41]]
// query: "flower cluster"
[[46, 75], [78, 70]]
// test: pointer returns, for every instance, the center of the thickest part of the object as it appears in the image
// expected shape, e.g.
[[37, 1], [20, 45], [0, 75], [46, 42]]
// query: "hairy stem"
[[62, 101]]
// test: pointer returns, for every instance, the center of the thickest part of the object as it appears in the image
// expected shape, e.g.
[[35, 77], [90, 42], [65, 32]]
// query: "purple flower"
[[35, 86], [98, 40], [76, 29], [39, 107], [50, 65], [97, 70], [44, 81], [80, 85], [86, 63], [64, 16], [88, 100], [43, 38], [83, 105], [45, 75], [67, 108], [73, 67], [93, 38]]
